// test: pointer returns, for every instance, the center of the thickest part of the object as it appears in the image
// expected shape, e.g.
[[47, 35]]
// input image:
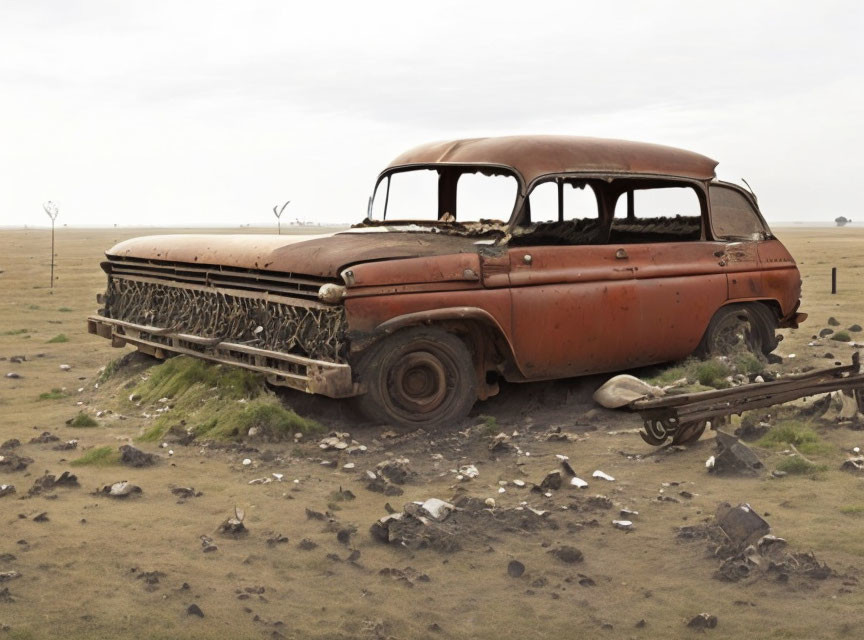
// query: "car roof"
[[535, 156]]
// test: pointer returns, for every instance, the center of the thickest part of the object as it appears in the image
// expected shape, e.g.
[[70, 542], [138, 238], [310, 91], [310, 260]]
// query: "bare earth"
[[79, 570]]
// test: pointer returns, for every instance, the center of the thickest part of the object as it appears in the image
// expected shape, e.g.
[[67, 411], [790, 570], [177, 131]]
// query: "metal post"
[[833, 279], [52, 253]]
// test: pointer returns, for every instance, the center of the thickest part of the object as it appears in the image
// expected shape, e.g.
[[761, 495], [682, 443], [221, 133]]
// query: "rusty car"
[[519, 258]]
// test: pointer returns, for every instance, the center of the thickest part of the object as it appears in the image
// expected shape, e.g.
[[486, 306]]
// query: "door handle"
[[621, 254]]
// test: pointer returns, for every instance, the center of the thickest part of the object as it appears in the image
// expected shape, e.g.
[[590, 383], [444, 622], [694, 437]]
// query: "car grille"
[[239, 310]]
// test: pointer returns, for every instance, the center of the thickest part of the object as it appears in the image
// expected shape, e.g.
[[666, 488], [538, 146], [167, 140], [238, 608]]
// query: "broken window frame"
[[609, 187], [448, 181], [754, 210]]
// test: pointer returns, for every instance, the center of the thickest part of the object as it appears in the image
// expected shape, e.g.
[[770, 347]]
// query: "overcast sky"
[[194, 113]]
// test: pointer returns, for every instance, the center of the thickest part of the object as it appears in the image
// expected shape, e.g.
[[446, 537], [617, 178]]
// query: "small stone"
[[568, 554], [490, 502], [625, 525], [825, 332], [515, 569], [12, 375], [42, 517], [551, 481], [834, 322], [246, 462], [855, 328], [65, 367], [602, 476], [579, 483], [703, 621], [134, 397], [194, 610]]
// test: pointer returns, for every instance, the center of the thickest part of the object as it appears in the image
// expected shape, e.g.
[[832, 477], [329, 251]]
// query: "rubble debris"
[[6, 576], [741, 524], [334, 442], [515, 569], [44, 438], [343, 536], [834, 322], [469, 520], [703, 621], [48, 482], [314, 515], [625, 525], [855, 328], [186, 492], [121, 489], [467, 472], [207, 545], [132, 457], [621, 390], [277, 538], [41, 517], [552, 481], [396, 470], [14, 462], [602, 476], [12, 443], [407, 576], [307, 544], [501, 442], [733, 457], [13, 376], [568, 554], [69, 445], [234, 526], [854, 465], [437, 509], [194, 610], [579, 483], [824, 333], [568, 469], [379, 484], [6, 490]]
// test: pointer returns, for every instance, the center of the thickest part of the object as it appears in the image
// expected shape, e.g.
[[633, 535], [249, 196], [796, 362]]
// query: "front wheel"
[[419, 377], [739, 327]]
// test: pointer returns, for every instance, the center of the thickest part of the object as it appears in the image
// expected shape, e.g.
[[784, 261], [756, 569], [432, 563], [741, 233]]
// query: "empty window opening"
[[561, 212], [485, 197], [656, 214]]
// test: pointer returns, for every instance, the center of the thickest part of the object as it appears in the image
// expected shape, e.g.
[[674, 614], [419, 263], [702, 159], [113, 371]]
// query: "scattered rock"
[[307, 545], [42, 517], [65, 367], [624, 525], [44, 438], [552, 481], [48, 482], [741, 524], [194, 610], [501, 442], [734, 457], [854, 465], [515, 569], [396, 470], [121, 489], [186, 492], [69, 445], [132, 457], [602, 476], [825, 332], [855, 328], [14, 376], [12, 443], [14, 462], [568, 554], [207, 545], [834, 322], [437, 509], [276, 538], [703, 621], [6, 490], [6, 576], [234, 526]]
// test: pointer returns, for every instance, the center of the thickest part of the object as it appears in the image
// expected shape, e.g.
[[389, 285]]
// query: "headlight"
[[331, 293]]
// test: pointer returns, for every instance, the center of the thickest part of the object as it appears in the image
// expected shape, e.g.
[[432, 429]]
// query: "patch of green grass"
[[841, 336], [60, 337], [83, 420], [853, 510], [705, 373], [668, 376], [64, 309], [98, 457], [748, 363], [54, 394], [796, 465], [109, 370], [490, 425], [14, 332], [796, 433], [218, 402]]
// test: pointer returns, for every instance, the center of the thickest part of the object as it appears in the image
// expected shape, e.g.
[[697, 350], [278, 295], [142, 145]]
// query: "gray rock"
[[734, 457], [825, 332], [132, 457], [703, 621], [741, 524], [515, 569]]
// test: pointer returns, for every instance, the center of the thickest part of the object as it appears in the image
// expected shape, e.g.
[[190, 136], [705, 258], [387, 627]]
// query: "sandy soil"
[[80, 570]]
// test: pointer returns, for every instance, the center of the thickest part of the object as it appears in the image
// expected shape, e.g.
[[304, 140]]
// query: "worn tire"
[[737, 326], [418, 377]]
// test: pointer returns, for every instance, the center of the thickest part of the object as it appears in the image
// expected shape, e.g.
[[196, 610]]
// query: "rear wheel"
[[419, 377], [739, 327]]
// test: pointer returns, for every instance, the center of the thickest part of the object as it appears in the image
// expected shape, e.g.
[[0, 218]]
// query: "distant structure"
[[278, 213], [842, 221], [52, 211]]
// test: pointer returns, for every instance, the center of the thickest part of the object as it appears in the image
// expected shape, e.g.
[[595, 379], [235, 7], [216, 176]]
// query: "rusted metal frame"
[[328, 378], [673, 411], [729, 185], [431, 287], [179, 280], [559, 183], [209, 269]]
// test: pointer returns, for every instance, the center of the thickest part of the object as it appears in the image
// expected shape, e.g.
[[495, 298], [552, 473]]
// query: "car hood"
[[322, 256]]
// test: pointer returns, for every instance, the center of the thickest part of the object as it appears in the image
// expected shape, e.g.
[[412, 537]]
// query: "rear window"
[[732, 215]]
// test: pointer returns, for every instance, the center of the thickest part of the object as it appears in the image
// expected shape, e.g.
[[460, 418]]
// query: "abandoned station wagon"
[[516, 258]]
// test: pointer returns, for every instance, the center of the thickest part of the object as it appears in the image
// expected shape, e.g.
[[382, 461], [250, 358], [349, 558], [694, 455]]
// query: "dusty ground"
[[79, 569]]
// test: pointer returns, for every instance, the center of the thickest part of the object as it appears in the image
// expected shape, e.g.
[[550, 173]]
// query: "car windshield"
[[444, 194]]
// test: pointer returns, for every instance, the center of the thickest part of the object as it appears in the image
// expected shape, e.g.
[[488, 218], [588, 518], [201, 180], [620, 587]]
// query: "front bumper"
[[330, 379]]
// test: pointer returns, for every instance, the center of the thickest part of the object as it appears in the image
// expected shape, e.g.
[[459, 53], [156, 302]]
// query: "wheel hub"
[[419, 382]]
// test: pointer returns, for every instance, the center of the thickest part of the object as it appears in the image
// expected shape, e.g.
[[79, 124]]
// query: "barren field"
[[76, 563]]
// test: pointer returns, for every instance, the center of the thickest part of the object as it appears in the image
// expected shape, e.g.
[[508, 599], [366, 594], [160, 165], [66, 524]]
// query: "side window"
[[657, 214], [732, 216], [580, 221], [413, 195], [579, 200], [485, 197]]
